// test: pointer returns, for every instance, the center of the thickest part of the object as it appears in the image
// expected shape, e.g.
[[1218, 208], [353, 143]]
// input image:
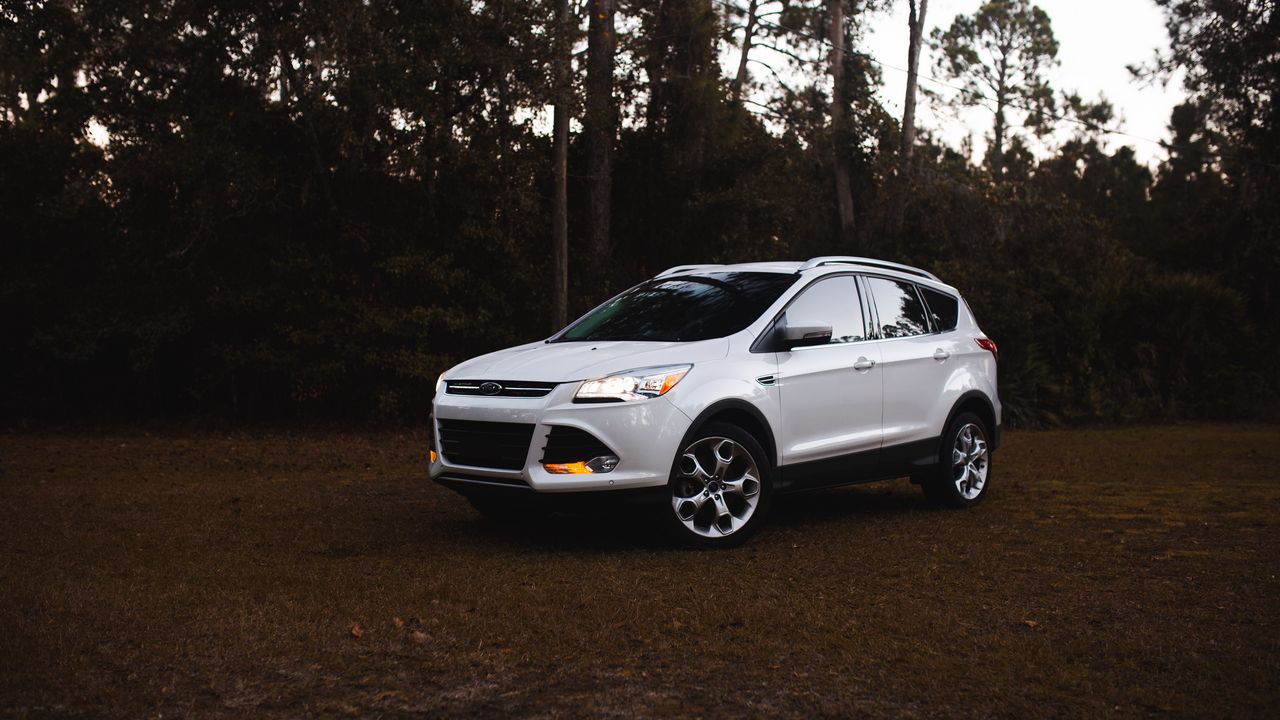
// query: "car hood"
[[570, 361]]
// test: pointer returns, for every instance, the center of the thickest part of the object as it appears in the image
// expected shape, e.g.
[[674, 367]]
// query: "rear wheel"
[[719, 488], [964, 467]]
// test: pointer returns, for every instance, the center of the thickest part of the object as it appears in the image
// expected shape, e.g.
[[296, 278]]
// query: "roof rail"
[[686, 268], [867, 262]]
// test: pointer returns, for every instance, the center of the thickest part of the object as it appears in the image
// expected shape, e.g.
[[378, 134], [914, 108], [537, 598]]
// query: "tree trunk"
[[748, 35], [599, 126], [915, 26], [915, 23], [560, 140], [844, 192], [996, 153], [319, 171]]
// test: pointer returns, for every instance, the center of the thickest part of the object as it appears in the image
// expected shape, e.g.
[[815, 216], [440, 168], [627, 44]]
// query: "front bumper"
[[644, 435]]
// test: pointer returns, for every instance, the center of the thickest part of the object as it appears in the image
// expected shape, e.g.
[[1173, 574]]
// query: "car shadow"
[[873, 500], [633, 528]]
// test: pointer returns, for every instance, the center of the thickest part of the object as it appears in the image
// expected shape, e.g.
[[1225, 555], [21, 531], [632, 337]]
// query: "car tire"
[[964, 464], [720, 497]]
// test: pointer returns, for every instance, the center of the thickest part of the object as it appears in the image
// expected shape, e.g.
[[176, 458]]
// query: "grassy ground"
[[1111, 572]]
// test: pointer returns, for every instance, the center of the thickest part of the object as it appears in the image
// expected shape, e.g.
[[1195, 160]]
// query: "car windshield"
[[682, 309]]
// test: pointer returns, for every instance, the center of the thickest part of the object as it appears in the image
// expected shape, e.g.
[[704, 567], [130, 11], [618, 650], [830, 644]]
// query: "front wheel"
[[964, 466], [719, 489]]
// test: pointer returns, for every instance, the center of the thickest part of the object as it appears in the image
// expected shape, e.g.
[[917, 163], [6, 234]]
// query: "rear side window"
[[944, 309], [833, 301], [898, 304]]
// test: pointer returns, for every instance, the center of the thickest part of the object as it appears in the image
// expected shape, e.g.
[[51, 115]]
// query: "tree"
[[839, 131], [744, 54], [599, 125], [560, 142], [1191, 197], [1000, 55], [1229, 51], [766, 25], [1113, 185], [311, 209], [915, 27], [684, 107]]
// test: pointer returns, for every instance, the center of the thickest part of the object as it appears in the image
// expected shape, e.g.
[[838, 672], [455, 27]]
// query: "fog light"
[[603, 464], [596, 465]]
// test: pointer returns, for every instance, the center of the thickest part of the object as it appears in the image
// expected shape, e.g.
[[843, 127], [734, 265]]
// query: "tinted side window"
[[899, 306], [834, 301], [945, 309]]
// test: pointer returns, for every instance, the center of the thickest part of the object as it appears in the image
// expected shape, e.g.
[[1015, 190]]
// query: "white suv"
[[713, 387]]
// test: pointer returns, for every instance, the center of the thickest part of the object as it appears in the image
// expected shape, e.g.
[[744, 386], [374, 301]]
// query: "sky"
[[1097, 39]]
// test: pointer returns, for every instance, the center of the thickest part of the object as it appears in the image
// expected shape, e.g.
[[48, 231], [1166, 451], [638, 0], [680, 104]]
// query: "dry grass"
[[1112, 572]]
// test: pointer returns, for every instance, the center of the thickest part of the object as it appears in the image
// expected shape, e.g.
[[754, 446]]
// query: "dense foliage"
[[297, 209]]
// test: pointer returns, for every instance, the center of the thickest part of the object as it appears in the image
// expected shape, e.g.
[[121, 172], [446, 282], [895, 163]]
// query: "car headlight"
[[639, 384]]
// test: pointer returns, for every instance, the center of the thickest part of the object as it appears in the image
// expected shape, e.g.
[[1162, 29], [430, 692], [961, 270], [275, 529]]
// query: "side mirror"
[[790, 335]]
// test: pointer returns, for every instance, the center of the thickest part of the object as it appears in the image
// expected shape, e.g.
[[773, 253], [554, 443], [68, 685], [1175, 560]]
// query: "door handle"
[[863, 363], [940, 354]]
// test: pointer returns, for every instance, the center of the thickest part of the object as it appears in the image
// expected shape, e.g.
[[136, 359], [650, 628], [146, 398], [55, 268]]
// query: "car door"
[[914, 365], [830, 395]]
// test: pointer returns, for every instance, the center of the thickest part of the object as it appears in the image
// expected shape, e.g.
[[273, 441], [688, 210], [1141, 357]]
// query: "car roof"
[[782, 266], [818, 266]]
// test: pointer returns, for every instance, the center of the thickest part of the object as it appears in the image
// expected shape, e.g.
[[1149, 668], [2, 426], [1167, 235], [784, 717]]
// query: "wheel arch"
[[976, 402], [742, 414]]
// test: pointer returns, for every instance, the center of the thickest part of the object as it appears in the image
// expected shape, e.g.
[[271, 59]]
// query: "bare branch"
[[788, 53], [776, 76]]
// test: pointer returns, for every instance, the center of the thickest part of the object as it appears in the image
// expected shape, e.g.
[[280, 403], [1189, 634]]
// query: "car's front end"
[[494, 434]]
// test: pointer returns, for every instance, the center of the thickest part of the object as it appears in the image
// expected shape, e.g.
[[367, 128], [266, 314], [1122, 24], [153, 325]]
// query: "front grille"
[[499, 388], [569, 445], [503, 446]]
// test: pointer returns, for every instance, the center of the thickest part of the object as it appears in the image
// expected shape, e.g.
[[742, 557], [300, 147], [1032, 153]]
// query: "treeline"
[[310, 209]]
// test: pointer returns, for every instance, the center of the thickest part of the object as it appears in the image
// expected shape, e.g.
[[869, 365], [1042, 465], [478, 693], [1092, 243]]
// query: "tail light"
[[989, 345]]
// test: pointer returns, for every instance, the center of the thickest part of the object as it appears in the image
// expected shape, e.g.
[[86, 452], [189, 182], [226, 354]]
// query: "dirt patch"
[[1111, 572]]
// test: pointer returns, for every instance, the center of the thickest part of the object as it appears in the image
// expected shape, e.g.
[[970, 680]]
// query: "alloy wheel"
[[717, 487], [970, 461]]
